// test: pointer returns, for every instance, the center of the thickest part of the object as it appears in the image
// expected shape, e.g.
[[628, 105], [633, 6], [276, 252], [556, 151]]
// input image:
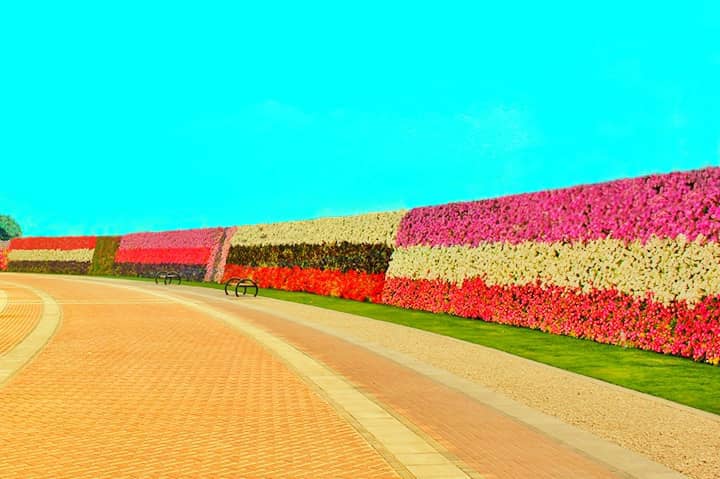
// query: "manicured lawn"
[[676, 379]]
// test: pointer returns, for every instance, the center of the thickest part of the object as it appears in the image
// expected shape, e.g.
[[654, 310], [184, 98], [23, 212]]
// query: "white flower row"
[[671, 269], [80, 255], [368, 228]]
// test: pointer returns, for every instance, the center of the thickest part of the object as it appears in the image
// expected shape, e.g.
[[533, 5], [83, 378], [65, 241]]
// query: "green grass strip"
[[669, 377]]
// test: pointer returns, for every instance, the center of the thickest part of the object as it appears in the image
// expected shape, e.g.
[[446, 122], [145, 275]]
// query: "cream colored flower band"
[[79, 255], [671, 269], [370, 228]]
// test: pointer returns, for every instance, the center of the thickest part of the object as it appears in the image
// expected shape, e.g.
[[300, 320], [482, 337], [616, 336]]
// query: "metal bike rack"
[[243, 283], [168, 277]]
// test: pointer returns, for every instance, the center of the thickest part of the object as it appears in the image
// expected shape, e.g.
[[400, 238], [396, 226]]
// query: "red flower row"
[[3, 259], [351, 285], [195, 256], [63, 243], [605, 316]]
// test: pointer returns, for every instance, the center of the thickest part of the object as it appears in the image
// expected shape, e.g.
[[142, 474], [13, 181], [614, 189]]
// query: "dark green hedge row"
[[103, 262], [64, 267], [368, 258], [188, 272]]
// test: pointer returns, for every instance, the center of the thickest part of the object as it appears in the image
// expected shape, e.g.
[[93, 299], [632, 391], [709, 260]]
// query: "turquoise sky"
[[121, 117]]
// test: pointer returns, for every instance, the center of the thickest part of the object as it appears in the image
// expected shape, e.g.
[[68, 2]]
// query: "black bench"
[[168, 277], [243, 283]]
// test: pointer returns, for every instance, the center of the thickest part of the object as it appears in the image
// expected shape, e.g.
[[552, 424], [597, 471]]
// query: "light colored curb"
[[407, 448], [50, 318], [606, 452], [3, 300]]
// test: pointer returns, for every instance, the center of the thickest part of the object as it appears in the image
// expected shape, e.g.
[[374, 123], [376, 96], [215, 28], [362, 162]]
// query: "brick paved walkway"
[[157, 390], [138, 384], [19, 316]]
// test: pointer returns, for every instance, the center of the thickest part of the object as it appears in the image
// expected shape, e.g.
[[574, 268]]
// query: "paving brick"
[[154, 389], [19, 316], [482, 438]]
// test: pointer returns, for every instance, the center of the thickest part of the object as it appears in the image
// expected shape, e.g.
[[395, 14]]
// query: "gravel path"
[[681, 438]]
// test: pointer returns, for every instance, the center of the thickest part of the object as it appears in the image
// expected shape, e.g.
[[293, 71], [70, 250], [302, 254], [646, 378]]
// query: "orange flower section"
[[351, 285]]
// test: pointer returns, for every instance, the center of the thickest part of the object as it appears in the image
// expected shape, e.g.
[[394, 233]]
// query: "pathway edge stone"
[[50, 319], [3, 300], [604, 451]]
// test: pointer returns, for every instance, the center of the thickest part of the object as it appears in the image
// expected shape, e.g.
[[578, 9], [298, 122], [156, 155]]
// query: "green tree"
[[9, 228]]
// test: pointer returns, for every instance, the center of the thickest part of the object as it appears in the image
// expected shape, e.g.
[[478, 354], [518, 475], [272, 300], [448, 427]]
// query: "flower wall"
[[192, 253], [3, 255], [69, 255], [345, 256], [632, 262]]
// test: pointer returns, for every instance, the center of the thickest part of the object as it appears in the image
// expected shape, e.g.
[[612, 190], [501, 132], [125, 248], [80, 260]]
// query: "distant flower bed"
[[3, 255], [69, 255], [138, 252]]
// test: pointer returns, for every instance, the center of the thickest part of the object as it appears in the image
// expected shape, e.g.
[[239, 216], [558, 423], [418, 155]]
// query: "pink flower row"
[[606, 316], [195, 238], [665, 206]]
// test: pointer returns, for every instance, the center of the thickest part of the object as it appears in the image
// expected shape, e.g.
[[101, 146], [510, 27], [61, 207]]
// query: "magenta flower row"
[[665, 206], [195, 238]]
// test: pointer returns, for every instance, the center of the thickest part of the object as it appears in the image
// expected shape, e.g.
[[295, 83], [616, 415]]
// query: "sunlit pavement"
[[148, 381]]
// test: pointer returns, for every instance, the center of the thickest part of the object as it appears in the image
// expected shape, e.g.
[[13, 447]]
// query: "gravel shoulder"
[[681, 438]]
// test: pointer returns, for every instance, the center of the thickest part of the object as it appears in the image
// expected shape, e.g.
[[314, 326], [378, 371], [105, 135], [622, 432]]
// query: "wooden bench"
[[243, 283], [167, 277]]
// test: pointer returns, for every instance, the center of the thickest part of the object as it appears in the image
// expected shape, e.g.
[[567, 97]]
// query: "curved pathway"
[[21, 309], [147, 388], [141, 380]]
